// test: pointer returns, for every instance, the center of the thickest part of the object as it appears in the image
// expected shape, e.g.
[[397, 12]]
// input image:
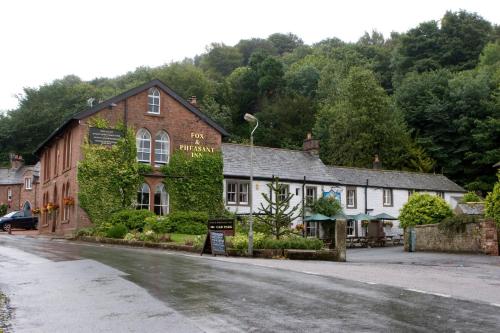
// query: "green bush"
[[471, 197], [456, 223], [188, 222], [159, 225], [3, 209], [133, 219], [492, 203], [423, 209], [327, 206], [117, 231], [86, 232]]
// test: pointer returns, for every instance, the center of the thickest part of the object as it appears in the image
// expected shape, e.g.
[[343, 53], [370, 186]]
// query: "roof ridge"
[[387, 170], [258, 146]]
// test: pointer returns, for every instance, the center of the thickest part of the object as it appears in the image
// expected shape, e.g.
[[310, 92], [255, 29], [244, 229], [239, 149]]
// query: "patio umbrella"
[[384, 216], [341, 216], [317, 217], [364, 217]]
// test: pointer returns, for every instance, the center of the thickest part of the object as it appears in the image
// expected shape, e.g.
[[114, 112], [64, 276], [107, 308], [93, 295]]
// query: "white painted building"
[[369, 191]]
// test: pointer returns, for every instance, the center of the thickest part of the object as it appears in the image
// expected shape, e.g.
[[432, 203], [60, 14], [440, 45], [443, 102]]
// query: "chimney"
[[311, 145], [377, 165], [16, 161], [193, 101]]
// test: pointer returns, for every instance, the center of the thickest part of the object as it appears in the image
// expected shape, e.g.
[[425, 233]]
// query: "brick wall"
[[478, 237]]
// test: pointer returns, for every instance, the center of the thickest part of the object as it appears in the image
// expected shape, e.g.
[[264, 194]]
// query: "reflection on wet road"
[[225, 297]]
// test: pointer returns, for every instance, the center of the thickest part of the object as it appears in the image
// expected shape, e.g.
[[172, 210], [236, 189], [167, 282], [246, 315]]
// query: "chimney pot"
[[311, 145]]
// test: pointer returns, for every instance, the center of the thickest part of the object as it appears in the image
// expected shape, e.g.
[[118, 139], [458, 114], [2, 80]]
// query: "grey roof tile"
[[283, 163]]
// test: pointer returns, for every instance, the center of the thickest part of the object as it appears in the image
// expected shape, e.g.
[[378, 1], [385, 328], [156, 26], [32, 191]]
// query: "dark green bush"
[[117, 231], [456, 223], [3, 209], [187, 222], [133, 219], [159, 225]]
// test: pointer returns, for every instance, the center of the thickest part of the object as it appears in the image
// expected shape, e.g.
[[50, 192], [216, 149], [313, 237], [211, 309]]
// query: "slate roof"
[[394, 179], [129, 93], [293, 165], [268, 162], [9, 176]]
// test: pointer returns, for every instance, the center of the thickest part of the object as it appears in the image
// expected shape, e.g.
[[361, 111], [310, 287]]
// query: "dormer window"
[[154, 101]]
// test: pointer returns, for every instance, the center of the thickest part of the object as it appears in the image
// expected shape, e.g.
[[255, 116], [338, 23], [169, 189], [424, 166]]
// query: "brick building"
[[19, 185], [163, 122]]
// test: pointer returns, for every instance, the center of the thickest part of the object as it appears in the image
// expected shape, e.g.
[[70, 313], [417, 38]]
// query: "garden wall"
[[478, 237]]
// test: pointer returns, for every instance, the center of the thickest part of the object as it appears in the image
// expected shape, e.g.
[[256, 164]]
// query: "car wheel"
[[6, 226]]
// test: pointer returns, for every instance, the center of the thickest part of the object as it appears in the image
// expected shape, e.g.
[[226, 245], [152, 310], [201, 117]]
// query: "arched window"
[[154, 101], [143, 197], [143, 143], [162, 147], [161, 200]]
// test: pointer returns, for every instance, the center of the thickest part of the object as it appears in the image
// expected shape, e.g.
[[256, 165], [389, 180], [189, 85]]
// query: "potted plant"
[[388, 224], [35, 211]]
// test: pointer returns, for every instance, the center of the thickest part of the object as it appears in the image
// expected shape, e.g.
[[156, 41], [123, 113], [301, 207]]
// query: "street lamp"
[[251, 119]]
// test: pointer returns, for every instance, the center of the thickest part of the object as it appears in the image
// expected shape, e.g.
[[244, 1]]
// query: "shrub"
[[492, 203], [133, 219], [423, 209], [260, 241], [456, 223], [3, 209], [188, 222], [240, 241], [471, 197], [117, 231], [159, 225], [86, 232], [327, 206]]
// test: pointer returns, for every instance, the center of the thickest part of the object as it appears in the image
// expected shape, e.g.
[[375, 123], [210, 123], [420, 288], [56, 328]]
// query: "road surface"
[[59, 286]]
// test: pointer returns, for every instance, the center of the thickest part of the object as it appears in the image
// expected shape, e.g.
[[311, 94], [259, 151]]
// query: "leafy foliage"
[[471, 197], [457, 223], [277, 214], [195, 184], [423, 209], [117, 231], [3, 209], [492, 203], [188, 222], [133, 219], [240, 242], [108, 178], [327, 206]]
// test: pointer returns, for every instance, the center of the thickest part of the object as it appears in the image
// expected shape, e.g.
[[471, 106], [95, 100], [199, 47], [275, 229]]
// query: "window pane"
[[243, 194], [231, 193]]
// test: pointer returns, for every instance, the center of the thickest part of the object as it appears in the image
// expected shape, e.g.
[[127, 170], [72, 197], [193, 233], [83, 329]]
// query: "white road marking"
[[428, 292], [311, 273], [495, 304], [372, 283]]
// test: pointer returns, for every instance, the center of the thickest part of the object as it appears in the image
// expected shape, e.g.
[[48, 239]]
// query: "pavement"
[[61, 286]]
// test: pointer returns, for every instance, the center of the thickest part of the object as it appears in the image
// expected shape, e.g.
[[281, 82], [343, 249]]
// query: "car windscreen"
[[10, 214]]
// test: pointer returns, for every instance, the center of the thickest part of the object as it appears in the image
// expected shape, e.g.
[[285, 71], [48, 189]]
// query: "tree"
[[423, 209], [248, 46], [220, 60], [278, 214], [285, 43], [360, 124], [327, 206]]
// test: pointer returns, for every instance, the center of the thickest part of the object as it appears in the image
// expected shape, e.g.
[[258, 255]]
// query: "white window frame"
[[162, 148], [351, 228], [232, 190], [440, 194], [312, 228], [143, 135], [387, 194], [28, 185], [283, 191], [162, 206], [154, 101], [311, 197], [141, 195], [243, 193], [350, 204], [9, 194], [239, 190]]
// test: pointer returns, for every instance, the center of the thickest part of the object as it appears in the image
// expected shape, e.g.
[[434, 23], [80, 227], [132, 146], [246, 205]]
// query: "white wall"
[[374, 198]]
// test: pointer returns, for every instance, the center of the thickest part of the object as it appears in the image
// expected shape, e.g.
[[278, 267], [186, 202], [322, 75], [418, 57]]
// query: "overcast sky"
[[43, 40]]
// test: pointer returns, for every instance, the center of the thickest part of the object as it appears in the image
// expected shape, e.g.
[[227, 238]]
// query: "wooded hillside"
[[425, 100]]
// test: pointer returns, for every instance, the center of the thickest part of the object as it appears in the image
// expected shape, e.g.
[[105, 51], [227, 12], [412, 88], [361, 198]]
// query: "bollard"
[[9, 229]]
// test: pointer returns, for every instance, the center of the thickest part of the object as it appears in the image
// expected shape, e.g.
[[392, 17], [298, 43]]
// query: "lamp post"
[[251, 119]]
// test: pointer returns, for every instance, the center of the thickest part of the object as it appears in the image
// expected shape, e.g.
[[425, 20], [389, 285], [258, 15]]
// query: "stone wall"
[[478, 237]]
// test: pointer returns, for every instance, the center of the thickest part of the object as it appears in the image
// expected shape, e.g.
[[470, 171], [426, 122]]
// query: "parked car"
[[17, 219]]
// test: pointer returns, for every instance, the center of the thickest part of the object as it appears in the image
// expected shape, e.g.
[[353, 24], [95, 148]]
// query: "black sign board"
[[215, 243], [104, 136], [224, 225]]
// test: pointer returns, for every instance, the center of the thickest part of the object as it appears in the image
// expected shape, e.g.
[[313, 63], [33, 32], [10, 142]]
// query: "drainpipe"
[[303, 207], [366, 197]]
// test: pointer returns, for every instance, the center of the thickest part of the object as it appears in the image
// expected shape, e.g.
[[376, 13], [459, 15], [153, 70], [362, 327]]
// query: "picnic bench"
[[357, 241]]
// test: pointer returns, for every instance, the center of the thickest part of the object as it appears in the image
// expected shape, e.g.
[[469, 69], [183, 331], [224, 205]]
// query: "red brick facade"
[[60, 155]]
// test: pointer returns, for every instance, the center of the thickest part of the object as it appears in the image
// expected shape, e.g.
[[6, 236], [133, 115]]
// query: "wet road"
[[222, 296]]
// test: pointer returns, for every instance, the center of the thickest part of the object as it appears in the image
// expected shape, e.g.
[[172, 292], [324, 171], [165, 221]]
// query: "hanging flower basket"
[[44, 209], [299, 227], [35, 211], [52, 207], [364, 223], [388, 224], [69, 201]]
